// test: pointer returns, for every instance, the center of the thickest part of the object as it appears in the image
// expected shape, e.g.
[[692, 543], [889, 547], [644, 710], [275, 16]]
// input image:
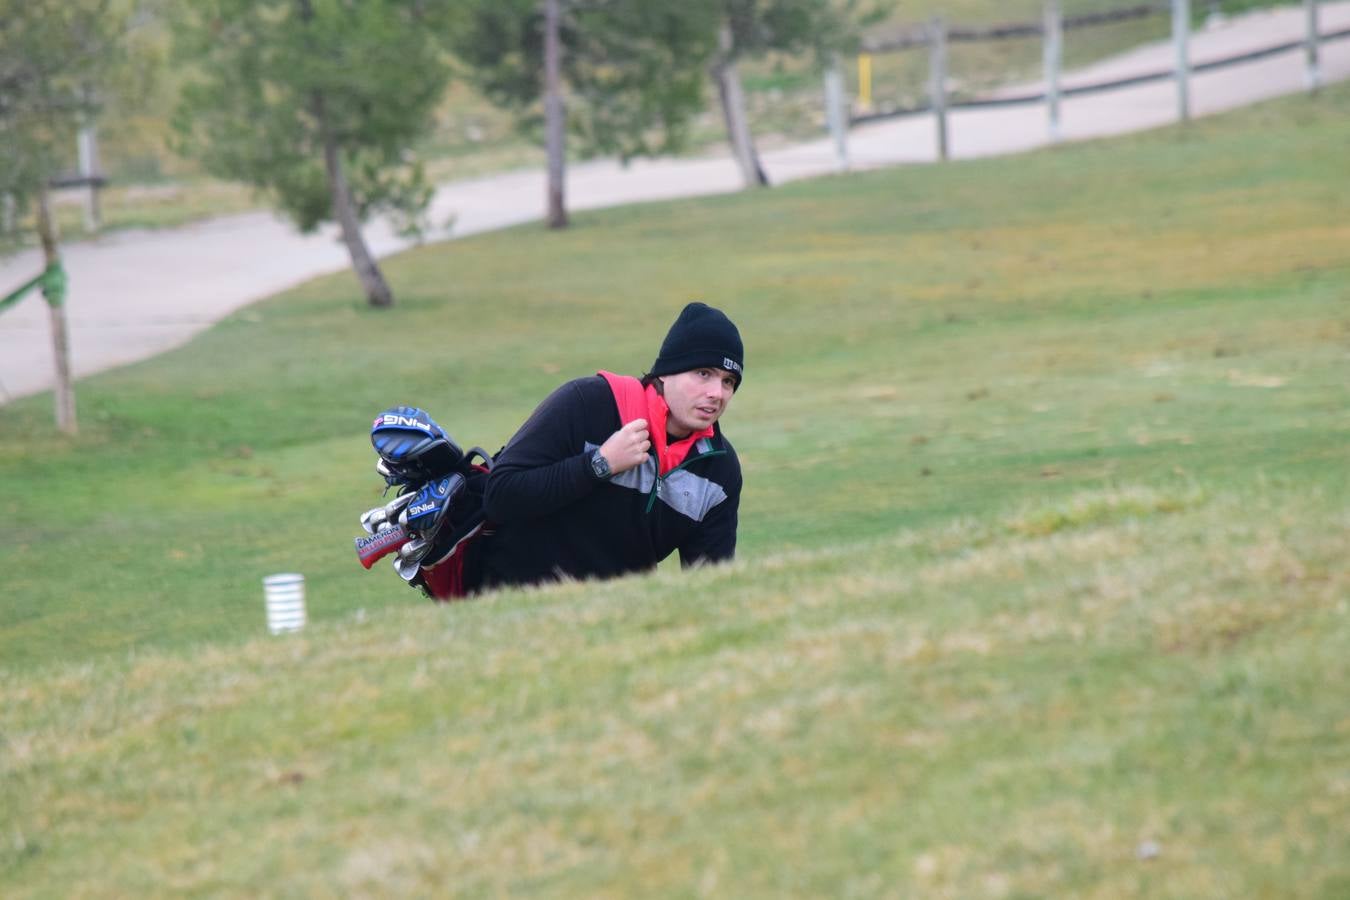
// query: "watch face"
[[599, 465]]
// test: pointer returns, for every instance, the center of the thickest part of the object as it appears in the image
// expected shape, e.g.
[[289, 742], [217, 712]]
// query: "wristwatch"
[[600, 467]]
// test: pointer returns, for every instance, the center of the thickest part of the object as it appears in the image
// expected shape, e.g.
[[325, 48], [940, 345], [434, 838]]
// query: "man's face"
[[696, 398]]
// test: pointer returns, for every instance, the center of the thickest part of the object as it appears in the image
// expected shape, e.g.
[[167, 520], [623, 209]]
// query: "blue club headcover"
[[428, 509], [396, 433], [412, 445]]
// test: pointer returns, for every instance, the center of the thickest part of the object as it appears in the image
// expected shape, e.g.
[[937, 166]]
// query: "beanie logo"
[[731, 365]]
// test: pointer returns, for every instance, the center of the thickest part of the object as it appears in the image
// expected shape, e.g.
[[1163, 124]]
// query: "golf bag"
[[437, 514]]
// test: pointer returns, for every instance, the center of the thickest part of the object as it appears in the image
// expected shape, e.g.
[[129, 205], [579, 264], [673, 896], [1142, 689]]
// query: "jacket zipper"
[[660, 479]]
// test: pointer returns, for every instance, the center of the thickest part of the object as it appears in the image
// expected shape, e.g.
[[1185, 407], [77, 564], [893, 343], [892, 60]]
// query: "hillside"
[[1042, 587]]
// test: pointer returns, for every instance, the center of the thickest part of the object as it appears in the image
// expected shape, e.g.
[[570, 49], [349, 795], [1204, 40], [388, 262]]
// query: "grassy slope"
[[962, 711], [1043, 558]]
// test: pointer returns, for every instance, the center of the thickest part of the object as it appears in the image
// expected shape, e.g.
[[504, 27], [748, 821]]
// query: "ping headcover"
[[427, 511], [412, 446]]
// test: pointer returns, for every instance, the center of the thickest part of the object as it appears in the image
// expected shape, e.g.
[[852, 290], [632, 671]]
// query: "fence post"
[[836, 116], [1053, 36], [88, 152], [1314, 71], [937, 64], [1181, 30]]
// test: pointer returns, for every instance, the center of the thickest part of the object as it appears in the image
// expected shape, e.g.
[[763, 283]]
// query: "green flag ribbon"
[[54, 283], [52, 280]]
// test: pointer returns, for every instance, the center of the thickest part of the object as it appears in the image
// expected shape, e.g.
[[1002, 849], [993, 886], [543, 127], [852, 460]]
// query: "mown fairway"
[[1043, 587]]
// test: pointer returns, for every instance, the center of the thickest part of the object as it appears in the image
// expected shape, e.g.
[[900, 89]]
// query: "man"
[[610, 474]]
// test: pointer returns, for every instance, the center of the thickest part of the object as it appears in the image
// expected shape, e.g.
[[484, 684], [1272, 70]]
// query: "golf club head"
[[372, 519], [406, 569], [415, 549], [378, 519], [397, 505]]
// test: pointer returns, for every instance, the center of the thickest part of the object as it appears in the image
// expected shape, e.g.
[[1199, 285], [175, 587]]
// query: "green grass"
[[960, 711], [1042, 560]]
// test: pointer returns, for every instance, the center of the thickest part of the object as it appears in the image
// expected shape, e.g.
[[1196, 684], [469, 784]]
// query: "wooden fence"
[[936, 35]]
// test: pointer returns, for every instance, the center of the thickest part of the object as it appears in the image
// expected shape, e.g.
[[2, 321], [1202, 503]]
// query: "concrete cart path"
[[134, 294]]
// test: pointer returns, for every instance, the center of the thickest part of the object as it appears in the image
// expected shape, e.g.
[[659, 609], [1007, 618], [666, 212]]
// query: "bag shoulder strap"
[[629, 396]]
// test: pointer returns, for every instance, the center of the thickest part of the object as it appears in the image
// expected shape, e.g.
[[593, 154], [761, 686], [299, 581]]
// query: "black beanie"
[[701, 336]]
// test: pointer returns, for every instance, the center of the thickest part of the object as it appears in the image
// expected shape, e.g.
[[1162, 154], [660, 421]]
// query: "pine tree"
[[317, 104]]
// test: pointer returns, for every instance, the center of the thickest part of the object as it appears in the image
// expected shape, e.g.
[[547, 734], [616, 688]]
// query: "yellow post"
[[865, 80]]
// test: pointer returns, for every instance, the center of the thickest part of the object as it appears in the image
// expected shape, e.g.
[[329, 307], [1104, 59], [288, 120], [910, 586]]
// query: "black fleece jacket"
[[551, 518]]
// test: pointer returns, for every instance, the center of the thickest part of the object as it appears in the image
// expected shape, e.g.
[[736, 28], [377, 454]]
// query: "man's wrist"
[[598, 466]]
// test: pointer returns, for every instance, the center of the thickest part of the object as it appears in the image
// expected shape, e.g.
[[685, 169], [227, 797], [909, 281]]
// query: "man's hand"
[[627, 448]]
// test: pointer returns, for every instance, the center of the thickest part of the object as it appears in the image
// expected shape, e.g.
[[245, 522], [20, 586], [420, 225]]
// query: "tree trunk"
[[367, 270], [728, 80], [344, 210], [65, 390], [554, 115]]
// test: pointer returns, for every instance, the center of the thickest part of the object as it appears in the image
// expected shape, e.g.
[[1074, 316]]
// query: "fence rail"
[[918, 36], [936, 37], [1098, 87]]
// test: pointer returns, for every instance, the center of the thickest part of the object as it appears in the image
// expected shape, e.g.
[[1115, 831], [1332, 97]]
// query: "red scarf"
[[635, 403]]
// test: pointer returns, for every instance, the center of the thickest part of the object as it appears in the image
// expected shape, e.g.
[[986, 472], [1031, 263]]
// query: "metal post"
[[88, 151], [1054, 59], [836, 115], [937, 59], [1314, 70], [1181, 32]]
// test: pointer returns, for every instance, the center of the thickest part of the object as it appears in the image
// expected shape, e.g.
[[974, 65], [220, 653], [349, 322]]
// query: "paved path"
[[138, 293]]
